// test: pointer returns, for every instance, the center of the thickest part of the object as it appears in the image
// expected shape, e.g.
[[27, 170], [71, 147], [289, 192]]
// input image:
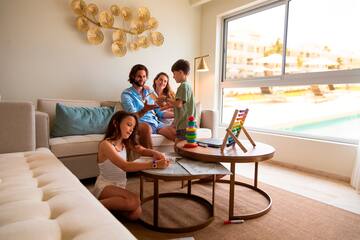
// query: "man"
[[136, 99]]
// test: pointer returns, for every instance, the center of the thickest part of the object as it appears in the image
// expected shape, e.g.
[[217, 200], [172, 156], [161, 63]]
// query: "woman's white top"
[[110, 174]]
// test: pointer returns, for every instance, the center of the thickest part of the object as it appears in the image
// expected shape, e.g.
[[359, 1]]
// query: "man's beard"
[[138, 84]]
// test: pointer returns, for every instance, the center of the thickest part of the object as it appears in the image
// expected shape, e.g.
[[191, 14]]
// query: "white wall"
[[43, 55], [322, 157]]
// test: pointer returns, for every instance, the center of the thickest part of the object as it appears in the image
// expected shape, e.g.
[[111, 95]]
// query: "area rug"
[[291, 216]]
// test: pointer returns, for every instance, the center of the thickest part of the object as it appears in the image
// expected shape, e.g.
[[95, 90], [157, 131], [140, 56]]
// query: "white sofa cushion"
[[41, 199], [75, 145]]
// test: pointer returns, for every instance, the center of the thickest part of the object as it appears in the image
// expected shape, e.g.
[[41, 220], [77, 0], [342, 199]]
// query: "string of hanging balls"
[[137, 31]]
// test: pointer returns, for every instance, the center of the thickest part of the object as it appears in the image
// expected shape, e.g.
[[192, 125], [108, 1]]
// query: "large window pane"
[[323, 36], [318, 94], [254, 44], [326, 110]]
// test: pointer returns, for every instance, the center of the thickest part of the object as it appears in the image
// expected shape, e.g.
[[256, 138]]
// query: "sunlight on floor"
[[333, 192]]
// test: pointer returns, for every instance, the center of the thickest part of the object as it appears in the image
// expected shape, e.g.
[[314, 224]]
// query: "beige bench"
[[39, 197]]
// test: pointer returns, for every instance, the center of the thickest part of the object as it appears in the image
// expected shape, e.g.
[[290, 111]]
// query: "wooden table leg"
[[189, 187], [256, 174], [141, 188], [232, 191], [213, 195], [156, 202]]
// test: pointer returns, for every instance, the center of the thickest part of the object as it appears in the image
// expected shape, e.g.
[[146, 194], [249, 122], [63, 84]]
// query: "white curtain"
[[355, 179]]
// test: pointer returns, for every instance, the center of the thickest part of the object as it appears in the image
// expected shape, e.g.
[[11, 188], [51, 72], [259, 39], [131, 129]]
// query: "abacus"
[[233, 131]]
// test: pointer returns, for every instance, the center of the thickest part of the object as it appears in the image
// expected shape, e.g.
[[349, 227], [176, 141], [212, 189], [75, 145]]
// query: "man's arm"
[[130, 106]]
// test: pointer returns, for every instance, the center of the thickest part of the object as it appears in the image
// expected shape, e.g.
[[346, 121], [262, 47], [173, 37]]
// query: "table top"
[[261, 152], [181, 168]]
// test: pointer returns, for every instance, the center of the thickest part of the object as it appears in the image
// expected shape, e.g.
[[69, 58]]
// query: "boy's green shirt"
[[181, 115]]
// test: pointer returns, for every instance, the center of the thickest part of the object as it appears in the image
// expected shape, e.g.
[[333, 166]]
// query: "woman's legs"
[[116, 198]]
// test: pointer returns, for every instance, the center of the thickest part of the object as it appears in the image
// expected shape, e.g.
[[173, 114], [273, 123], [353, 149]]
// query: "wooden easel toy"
[[233, 131]]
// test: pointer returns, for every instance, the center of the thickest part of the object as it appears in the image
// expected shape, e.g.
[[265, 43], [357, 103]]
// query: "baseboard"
[[312, 171]]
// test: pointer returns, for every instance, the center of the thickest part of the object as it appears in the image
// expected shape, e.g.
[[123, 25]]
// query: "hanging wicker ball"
[[95, 36], [115, 10], [119, 36], [143, 42], [143, 14], [137, 27], [133, 46], [78, 6], [92, 9], [82, 23], [153, 23], [118, 49], [106, 19], [157, 38], [126, 13]]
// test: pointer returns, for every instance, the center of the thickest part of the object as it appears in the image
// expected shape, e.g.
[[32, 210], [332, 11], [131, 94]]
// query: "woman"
[[163, 91]]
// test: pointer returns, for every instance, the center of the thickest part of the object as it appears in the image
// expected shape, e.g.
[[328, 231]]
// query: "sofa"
[[79, 152], [39, 197]]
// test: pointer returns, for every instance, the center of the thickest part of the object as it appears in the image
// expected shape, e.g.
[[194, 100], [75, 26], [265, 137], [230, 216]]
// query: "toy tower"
[[191, 133]]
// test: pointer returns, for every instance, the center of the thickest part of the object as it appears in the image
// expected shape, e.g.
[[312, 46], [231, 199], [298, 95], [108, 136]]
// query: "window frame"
[[293, 79]]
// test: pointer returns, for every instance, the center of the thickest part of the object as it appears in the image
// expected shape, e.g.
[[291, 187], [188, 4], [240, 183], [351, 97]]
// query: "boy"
[[184, 105]]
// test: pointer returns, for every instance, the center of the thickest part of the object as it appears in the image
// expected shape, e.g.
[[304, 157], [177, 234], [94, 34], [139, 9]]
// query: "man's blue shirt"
[[132, 102]]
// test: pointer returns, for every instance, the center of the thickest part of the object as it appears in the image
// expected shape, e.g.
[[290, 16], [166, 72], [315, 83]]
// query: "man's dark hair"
[[182, 65], [134, 70]]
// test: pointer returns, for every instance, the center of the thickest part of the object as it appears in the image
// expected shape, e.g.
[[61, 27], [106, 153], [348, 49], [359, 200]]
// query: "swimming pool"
[[347, 127]]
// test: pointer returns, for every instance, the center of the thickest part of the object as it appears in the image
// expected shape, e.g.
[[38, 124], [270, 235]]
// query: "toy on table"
[[191, 133], [233, 131]]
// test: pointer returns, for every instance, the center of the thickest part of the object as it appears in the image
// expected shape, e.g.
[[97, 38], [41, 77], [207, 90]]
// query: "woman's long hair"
[[168, 92], [113, 131]]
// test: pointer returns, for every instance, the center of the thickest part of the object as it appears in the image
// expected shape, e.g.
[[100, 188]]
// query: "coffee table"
[[233, 155], [181, 169]]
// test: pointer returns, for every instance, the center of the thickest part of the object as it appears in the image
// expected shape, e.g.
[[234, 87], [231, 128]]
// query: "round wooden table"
[[233, 155], [175, 172]]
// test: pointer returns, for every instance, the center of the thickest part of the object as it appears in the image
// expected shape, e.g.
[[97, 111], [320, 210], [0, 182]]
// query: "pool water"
[[345, 127]]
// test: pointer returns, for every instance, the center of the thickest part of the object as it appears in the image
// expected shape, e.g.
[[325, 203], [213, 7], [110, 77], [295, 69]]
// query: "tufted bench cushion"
[[41, 199]]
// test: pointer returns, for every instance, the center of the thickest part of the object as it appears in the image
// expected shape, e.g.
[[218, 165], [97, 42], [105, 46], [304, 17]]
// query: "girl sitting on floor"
[[113, 165]]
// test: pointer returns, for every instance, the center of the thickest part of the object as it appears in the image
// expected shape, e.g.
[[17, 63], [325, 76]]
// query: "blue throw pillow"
[[80, 120]]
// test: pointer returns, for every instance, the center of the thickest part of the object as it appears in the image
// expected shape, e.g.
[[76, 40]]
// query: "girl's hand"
[[163, 163], [158, 155]]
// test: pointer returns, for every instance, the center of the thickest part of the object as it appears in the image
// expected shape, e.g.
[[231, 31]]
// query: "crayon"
[[238, 221]]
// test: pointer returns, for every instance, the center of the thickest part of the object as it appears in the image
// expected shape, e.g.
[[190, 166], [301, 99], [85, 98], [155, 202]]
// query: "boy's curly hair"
[[181, 65]]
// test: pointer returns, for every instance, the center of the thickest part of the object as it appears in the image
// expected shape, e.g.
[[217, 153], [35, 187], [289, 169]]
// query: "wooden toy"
[[233, 131], [191, 133]]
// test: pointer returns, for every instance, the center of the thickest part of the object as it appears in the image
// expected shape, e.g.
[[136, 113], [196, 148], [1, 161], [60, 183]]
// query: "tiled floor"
[[332, 192]]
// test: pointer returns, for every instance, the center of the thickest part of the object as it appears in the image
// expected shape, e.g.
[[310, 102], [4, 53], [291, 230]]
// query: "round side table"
[[175, 173], [233, 155]]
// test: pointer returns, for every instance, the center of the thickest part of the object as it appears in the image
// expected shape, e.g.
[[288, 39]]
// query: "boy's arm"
[[178, 103], [182, 94]]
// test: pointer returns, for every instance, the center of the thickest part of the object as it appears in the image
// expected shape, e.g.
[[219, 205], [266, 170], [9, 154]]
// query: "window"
[[296, 66]]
